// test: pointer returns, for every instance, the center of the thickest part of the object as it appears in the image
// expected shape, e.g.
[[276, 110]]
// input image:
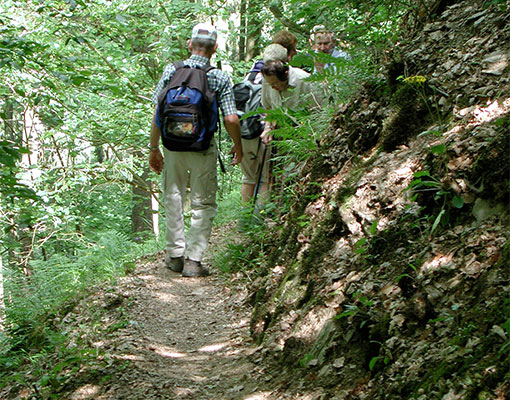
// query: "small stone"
[[339, 362], [499, 331], [313, 363]]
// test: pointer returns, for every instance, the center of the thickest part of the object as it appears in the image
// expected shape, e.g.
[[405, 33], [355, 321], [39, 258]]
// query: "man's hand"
[[156, 161], [237, 151], [266, 136], [319, 67]]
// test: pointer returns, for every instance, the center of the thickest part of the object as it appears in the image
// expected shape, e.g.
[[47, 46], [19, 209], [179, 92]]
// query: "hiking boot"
[[193, 269], [174, 263]]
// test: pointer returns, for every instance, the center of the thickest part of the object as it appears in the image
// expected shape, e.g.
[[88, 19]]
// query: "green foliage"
[[447, 200], [361, 310], [406, 275], [11, 188], [31, 339], [376, 359], [58, 280], [295, 140], [420, 86]]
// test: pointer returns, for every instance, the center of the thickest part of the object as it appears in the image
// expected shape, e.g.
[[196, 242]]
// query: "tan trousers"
[[200, 169]]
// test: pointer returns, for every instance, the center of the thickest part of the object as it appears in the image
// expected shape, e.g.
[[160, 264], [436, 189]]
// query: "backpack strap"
[[179, 64], [252, 75], [257, 67], [207, 68]]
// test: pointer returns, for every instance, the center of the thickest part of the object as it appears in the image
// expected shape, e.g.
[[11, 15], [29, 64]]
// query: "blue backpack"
[[187, 111]]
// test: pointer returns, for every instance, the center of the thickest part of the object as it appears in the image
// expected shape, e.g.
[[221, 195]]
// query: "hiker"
[[255, 164], [284, 86], [284, 38], [188, 157], [322, 40]]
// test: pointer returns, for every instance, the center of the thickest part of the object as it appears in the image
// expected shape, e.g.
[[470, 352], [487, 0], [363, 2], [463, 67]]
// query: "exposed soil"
[[182, 339]]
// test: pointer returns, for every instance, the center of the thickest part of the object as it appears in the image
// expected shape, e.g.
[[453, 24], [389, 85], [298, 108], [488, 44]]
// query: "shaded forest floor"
[[167, 337]]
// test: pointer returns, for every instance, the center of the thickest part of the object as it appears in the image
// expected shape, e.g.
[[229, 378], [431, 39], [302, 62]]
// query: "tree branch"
[[277, 12]]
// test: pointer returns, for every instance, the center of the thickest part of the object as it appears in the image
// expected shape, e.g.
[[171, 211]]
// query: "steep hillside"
[[395, 283]]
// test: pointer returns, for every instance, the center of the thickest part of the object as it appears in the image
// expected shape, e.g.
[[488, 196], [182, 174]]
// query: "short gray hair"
[[321, 29], [275, 52]]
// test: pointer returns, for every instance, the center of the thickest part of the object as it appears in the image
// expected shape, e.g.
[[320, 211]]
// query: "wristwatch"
[[153, 148]]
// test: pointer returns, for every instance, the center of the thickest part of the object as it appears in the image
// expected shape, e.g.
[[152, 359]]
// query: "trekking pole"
[[218, 140], [259, 178]]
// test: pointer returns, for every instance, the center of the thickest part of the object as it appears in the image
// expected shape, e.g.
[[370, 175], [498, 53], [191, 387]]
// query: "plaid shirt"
[[219, 83]]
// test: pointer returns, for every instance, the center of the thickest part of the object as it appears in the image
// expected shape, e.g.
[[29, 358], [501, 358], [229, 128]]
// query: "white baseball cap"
[[204, 31]]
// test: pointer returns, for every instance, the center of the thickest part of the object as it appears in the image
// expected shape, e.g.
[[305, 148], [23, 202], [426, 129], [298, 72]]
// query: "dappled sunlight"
[[258, 396], [147, 277], [165, 297], [437, 262], [184, 392], [166, 351], [485, 113], [129, 357], [213, 347], [383, 180], [315, 322], [88, 391]]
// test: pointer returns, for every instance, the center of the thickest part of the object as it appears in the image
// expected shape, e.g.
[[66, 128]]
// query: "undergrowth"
[[34, 348]]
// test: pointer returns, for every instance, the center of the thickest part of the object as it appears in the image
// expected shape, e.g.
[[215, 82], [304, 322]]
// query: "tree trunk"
[[249, 29], [243, 29], [141, 213]]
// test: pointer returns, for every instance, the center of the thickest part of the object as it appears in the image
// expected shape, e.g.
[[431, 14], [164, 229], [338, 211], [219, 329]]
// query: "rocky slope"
[[396, 283]]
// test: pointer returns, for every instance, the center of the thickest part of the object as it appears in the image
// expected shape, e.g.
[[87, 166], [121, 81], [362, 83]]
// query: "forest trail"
[[184, 338]]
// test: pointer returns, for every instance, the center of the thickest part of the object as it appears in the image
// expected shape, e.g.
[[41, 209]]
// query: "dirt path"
[[184, 338]]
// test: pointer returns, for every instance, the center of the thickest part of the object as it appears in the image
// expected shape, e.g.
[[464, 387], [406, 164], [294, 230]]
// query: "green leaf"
[[419, 174], [344, 314], [360, 242], [431, 132], [502, 121], [19, 91], [45, 380], [458, 201], [372, 362], [78, 80], [7, 160], [439, 149], [433, 184], [401, 276], [373, 227], [437, 221]]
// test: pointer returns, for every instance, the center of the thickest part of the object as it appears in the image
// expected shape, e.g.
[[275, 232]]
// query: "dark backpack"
[[187, 110], [247, 96]]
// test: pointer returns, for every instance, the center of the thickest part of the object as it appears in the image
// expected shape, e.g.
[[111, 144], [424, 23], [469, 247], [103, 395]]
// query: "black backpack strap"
[[179, 64], [252, 75], [207, 68]]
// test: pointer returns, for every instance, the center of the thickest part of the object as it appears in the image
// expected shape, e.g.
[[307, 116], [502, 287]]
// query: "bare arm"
[[155, 156], [234, 130]]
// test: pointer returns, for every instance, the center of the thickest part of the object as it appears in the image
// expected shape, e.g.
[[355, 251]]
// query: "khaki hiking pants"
[[200, 169]]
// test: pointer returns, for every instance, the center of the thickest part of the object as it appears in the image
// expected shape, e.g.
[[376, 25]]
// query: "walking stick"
[[259, 178]]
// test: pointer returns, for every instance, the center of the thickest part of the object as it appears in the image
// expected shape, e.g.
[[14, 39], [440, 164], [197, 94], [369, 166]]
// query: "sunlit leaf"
[[438, 149]]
